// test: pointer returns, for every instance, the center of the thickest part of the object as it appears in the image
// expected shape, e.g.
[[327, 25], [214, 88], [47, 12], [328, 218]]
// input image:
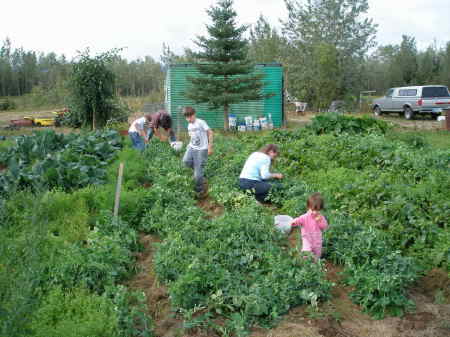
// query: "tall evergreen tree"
[[227, 74]]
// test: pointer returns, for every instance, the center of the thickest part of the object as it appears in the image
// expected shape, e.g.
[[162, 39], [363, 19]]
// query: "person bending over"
[[256, 173]]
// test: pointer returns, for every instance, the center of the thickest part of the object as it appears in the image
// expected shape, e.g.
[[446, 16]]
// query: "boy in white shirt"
[[200, 146]]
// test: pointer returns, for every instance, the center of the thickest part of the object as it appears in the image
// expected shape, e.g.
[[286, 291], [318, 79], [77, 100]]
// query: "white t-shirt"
[[138, 125], [199, 135]]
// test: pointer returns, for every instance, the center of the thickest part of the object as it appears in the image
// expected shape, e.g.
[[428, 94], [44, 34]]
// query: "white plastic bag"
[[177, 146], [283, 223]]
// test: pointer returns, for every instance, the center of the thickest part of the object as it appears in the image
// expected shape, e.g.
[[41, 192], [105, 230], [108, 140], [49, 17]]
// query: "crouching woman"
[[256, 174]]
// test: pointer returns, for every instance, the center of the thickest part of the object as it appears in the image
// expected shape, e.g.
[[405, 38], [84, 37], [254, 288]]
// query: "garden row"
[[235, 266], [63, 256]]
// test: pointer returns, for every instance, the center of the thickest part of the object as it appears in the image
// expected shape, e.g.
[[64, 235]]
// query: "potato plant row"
[[387, 201]]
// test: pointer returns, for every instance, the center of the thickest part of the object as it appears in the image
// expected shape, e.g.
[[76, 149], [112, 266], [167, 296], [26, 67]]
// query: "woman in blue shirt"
[[256, 172]]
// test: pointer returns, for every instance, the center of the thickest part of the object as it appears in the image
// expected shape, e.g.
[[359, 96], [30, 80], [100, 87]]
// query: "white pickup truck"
[[409, 101]]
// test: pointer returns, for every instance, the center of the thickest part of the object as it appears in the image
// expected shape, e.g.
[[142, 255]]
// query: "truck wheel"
[[408, 113], [377, 111]]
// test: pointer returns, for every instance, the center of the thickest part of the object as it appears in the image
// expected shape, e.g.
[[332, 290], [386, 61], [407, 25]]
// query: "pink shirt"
[[310, 226]]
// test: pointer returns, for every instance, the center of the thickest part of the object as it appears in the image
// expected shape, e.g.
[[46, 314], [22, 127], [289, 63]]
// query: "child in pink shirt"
[[312, 223]]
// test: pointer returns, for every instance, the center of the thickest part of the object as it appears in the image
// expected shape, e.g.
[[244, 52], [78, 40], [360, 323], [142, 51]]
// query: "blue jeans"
[[196, 160], [137, 141], [260, 188]]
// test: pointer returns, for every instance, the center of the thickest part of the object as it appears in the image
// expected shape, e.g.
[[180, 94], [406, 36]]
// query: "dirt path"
[[167, 323]]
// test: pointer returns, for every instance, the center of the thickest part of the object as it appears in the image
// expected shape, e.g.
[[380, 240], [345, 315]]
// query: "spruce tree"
[[226, 73]]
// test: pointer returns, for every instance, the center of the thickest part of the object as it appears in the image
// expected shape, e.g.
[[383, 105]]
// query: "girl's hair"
[[269, 148], [188, 111], [315, 202], [166, 122]]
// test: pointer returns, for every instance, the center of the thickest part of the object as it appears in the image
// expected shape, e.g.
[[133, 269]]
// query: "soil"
[[211, 207], [157, 295], [419, 123]]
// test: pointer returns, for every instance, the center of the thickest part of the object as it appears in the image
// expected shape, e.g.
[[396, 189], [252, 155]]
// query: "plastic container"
[[256, 125], [270, 122], [249, 123], [263, 122], [283, 223], [177, 146], [232, 121]]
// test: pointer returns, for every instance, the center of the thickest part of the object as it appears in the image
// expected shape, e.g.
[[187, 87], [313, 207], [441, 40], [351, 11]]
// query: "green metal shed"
[[177, 84]]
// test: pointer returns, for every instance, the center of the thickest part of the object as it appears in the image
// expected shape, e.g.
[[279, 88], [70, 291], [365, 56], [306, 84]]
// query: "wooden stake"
[[118, 188]]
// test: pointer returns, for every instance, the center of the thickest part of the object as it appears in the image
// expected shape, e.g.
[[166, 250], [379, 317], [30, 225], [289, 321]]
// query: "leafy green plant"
[[92, 86], [47, 160], [338, 123], [75, 314]]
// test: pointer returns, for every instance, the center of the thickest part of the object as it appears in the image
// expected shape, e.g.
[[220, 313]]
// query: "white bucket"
[[177, 146], [283, 223]]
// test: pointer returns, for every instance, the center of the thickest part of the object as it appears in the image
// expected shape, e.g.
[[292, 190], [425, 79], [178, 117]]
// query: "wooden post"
[[118, 187], [93, 119]]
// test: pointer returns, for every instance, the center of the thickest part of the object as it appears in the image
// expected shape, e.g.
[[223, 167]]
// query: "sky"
[[142, 26]]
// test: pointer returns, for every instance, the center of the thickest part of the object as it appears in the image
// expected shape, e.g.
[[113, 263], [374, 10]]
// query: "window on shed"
[[430, 92]]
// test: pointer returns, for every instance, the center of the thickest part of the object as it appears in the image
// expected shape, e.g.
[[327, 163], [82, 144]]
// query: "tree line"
[[23, 71], [328, 49]]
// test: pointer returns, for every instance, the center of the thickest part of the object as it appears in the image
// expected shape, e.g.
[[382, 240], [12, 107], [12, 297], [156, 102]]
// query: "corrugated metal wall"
[[177, 84]]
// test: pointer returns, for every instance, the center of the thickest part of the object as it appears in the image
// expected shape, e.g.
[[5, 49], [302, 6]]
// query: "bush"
[[76, 313], [338, 123]]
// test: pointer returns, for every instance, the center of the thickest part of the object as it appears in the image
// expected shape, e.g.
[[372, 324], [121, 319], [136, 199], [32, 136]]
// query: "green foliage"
[[47, 160], [236, 266], [338, 123], [386, 202], [249, 272], [66, 240], [379, 273], [324, 60], [132, 312], [93, 98], [75, 314], [266, 44], [6, 104], [101, 260], [395, 189]]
